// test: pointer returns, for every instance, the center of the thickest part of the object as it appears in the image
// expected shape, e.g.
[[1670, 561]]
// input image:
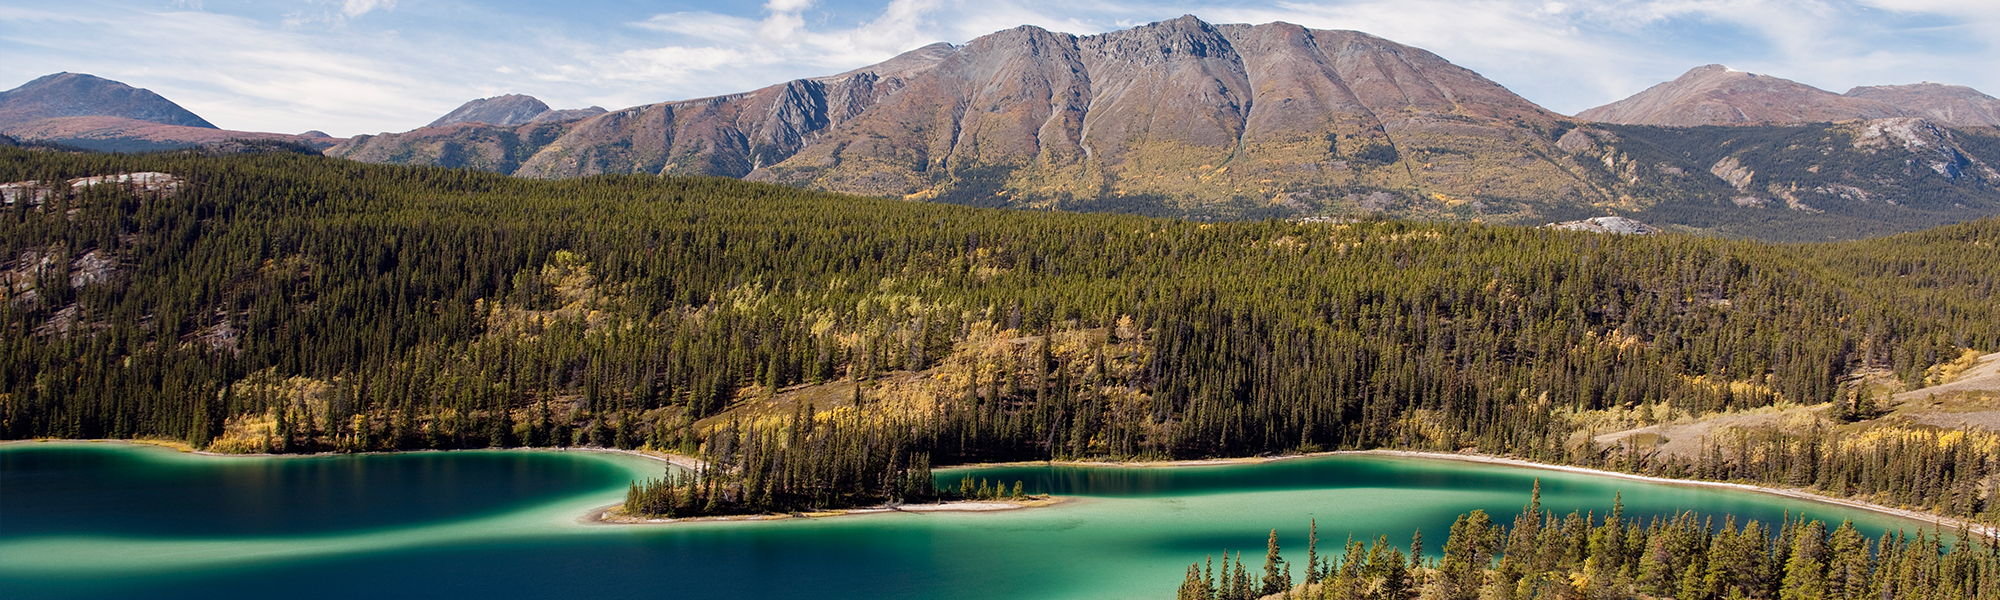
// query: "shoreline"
[[600, 515], [1939, 521], [685, 462]]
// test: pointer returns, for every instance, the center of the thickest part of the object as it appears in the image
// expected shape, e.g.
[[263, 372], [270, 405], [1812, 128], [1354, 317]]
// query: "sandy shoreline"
[[599, 516], [602, 515]]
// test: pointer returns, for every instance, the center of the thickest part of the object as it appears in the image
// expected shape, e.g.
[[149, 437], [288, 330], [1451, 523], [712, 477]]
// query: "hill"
[[285, 302]]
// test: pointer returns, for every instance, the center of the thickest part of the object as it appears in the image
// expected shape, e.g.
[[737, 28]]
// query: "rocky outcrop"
[[1613, 225]]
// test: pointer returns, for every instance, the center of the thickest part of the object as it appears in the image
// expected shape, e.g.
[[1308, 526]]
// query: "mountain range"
[[1224, 121], [1719, 95], [94, 113]]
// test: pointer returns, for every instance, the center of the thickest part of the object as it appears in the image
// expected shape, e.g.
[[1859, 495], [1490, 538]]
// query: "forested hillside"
[[821, 349]]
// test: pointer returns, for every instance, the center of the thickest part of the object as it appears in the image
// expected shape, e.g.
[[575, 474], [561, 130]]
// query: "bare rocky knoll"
[[1187, 118]]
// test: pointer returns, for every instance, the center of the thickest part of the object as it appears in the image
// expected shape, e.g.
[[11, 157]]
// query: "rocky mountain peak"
[[510, 109], [82, 95]]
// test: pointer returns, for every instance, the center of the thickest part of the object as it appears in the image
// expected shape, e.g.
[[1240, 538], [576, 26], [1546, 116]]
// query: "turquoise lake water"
[[103, 520]]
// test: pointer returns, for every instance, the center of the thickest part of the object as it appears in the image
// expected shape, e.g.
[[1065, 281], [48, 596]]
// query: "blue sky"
[[366, 66]]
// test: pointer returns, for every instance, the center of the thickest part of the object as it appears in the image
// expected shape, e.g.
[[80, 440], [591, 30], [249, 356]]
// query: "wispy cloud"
[[356, 66]]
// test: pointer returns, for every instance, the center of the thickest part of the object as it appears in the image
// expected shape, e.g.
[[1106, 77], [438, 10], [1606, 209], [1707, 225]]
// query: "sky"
[[366, 66]]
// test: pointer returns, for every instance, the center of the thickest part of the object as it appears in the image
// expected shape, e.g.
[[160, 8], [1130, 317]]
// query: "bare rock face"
[[1615, 225], [1718, 95], [1948, 104]]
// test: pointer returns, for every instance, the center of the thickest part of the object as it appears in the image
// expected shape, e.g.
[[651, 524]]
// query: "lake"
[[109, 520]]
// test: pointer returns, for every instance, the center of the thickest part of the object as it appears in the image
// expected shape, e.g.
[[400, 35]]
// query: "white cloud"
[[356, 8]]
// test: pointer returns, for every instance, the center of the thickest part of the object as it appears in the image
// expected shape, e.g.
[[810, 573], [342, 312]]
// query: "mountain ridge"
[[1718, 95]]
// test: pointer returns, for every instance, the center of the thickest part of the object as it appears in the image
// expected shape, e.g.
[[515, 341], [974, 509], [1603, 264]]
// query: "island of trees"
[[819, 350]]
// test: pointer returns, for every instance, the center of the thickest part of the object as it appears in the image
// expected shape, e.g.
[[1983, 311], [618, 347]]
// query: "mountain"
[[93, 113], [1177, 117], [1198, 120], [81, 95], [1719, 95], [511, 109], [1951, 104]]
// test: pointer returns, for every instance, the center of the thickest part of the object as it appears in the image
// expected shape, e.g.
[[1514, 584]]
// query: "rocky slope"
[[81, 95], [1791, 183]]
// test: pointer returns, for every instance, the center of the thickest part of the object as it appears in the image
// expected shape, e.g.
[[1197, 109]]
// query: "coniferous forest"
[[819, 350], [1584, 555]]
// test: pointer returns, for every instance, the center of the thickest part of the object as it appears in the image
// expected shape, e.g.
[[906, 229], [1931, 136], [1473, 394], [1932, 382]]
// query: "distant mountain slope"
[[1792, 183], [81, 95], [1718, 95], [1950, 104], [115, 134]]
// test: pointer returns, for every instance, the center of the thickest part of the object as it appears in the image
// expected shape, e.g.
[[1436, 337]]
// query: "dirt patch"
[[1686, 438], [1970, 398]]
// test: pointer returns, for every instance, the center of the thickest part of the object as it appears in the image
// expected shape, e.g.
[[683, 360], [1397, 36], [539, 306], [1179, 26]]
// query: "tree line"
[[1684, 556]]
